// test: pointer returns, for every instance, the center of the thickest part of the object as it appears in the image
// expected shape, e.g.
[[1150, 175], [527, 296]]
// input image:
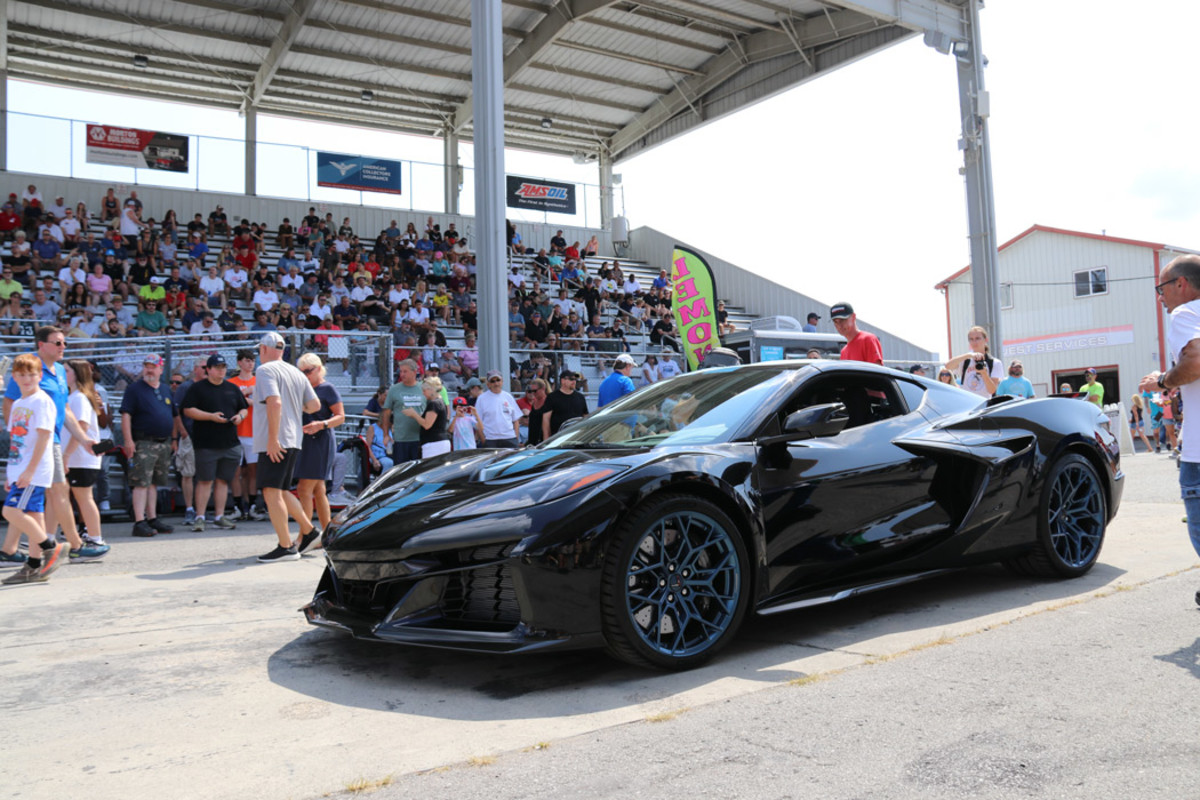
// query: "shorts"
[[272, 475], [60, 472], [406, 451], [151, 464], [221, 465], [82, 478], [31, 499], [248, 454], [185, 457], [431, 449]]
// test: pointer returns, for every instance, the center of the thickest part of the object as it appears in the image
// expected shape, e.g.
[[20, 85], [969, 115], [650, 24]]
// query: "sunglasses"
[[176, 383], [309, 371], [493, 380]]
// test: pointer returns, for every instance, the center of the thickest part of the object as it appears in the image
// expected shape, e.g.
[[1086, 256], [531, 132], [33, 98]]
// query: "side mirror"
[[827, 419]]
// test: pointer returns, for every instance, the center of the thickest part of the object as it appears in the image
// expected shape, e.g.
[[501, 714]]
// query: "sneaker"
[[26, 574], [143, 529], [159, 526], [88, 540], [308, 540], [223, 523], [280, 554], [341, 499], [17, 559], [89, 552], [198, 524], [54, 558], [233, 516], [105, 506], [189, 516], [256, 515]]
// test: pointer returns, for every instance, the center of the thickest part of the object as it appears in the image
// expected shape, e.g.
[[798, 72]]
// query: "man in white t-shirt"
[[213, 288], [281, 395], [70, 228], [236, 281], [667, 368], [320, 307], [265, 299], [498, 413], [361, 291], [1179, 292]]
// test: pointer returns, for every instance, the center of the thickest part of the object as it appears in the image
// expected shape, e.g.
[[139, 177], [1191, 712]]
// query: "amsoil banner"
[[540, 195], [694, 305], [131, 147], [358, 172]]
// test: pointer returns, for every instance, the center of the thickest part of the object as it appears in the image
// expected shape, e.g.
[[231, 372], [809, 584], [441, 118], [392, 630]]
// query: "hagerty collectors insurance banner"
[[358, 172], [130, 147], [694, 304]]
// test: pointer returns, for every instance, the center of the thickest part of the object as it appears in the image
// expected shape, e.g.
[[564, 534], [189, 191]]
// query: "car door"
[[852, 504]]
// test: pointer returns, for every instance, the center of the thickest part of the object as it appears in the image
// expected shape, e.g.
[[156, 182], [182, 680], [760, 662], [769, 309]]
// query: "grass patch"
[[364, 785], [805, 680], [481, 761], [665, 716]]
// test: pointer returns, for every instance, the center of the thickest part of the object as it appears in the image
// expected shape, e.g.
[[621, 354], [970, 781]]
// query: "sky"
[[847, 188]]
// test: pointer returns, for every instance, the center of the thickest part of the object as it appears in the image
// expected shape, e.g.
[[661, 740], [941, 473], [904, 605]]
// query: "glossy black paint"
[[945, 481]]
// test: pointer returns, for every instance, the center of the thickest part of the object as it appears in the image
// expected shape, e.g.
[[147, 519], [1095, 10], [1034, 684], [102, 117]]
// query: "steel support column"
[[487, 71], [451, 171], [606, 189], [977, 171], [251, 115], [4, 86]]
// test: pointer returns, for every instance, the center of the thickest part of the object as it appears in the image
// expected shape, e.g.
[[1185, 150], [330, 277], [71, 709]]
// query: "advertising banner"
[[130, 147], [540, 195], [694, 305], [358, 172]]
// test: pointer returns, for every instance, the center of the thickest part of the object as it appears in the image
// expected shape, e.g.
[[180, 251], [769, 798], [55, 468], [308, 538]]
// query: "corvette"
[[653, 527]]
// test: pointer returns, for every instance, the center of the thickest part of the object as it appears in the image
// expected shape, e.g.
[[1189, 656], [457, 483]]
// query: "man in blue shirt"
[[147, 421], [1016, 383], [619, 383], [811, 325], [198, 249], [50, 342]]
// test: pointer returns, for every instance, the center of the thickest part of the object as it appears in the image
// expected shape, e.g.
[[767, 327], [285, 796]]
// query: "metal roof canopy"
[[601, 79]]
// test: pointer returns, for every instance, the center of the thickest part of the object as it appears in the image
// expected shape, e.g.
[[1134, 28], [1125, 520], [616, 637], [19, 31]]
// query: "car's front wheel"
[[675, 585], [1072, 518]]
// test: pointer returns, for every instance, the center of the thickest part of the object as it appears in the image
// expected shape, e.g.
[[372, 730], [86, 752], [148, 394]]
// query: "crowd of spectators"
[[122, 273]]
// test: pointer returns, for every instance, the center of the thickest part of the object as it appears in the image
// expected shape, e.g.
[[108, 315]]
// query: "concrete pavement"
[[179, 665]]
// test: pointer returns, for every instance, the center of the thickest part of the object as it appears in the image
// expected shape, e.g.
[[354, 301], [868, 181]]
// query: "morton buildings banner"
[[130, 147], [694, 305], [358, 172], [540, 195]]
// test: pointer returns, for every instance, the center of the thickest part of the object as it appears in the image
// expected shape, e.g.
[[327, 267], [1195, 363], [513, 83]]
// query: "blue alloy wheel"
[[1076, 515], [1072, 517], [677, 584]]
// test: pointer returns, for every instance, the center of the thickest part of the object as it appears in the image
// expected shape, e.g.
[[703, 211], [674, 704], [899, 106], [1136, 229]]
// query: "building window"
[[1006, 295], [1091, 282]]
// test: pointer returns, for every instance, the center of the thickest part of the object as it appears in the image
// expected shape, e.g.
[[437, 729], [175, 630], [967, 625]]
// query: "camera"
[[981, 365]]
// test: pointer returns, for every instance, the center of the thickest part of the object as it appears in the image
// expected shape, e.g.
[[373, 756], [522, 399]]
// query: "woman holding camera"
[[975, 369]]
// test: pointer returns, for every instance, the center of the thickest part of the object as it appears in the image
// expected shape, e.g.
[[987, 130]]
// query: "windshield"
[[698, 408]]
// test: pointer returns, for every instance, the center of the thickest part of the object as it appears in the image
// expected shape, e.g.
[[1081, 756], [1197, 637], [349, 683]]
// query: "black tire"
[[675, 584], [1072, 517]]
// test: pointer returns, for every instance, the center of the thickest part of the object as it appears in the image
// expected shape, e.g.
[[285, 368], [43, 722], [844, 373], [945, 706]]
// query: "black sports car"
[[653, 526]]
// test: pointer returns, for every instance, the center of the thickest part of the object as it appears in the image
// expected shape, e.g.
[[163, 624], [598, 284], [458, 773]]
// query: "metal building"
[[1071, 300]]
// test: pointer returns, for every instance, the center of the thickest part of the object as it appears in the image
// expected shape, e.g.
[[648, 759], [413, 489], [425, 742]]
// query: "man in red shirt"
[[860, 345]]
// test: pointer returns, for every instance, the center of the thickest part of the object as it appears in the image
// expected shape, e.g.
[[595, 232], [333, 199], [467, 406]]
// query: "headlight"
[[539, 490]]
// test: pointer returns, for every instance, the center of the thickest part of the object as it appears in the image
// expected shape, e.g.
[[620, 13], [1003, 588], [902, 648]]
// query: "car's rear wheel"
[[675, 584], [1072, 518]]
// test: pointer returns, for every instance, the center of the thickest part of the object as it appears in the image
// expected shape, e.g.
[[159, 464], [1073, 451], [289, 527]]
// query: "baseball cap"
[[569, 373], [494, 373], [841, 311], [624, 359], [473, 382], [1090, 371], [460, 401], [216, 361], [432, 365], [813, 315], [272, 340], [151, 358]]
